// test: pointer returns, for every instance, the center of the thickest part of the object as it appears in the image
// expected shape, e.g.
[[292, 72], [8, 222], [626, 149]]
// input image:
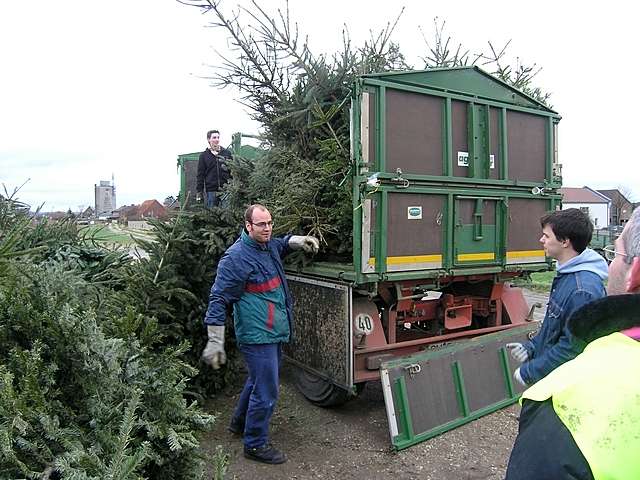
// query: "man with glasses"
[[582, 421], [251, 280], [579, 280]]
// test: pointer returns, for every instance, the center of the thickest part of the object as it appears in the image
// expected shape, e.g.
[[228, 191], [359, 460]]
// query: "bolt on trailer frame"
[[452, 170]]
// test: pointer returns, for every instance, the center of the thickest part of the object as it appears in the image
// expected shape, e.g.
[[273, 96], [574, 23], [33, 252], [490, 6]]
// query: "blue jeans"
[[260, 393], [212, 200]]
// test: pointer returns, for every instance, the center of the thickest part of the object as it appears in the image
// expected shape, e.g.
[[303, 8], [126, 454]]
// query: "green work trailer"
[[452, 170]]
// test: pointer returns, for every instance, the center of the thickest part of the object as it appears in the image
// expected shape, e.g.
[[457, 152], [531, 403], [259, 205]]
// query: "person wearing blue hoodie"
[[579, 280]]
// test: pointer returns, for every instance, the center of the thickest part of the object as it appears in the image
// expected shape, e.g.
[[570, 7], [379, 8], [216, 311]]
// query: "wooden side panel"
[[413, 133], [524, 231], [415, 243], [526, 138], [459, 136]]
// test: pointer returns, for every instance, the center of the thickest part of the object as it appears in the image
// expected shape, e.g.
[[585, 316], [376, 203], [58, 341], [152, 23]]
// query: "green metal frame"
[[479, 144], [451, 192], [182, 159]]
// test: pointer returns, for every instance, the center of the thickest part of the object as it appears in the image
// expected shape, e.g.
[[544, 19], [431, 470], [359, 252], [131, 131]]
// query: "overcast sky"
[[91, 89]]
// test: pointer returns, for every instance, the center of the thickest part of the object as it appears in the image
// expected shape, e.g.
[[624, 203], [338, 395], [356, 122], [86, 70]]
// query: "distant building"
[[621, 207], [56, 215], [151, 209], [590, 201], [105, 195], [124, 213], [88, 213], [136, 216]]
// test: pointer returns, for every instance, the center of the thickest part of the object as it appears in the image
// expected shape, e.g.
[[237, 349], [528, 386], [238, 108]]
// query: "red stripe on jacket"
[[263, 287]]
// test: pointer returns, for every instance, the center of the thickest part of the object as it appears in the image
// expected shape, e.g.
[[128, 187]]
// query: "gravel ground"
[[352, 441]]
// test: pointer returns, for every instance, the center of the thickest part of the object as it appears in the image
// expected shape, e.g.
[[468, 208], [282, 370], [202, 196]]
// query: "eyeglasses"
[[263, 224], [610, 254]]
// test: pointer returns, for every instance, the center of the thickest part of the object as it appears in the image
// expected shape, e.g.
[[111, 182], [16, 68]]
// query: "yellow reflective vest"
[[597, 397]]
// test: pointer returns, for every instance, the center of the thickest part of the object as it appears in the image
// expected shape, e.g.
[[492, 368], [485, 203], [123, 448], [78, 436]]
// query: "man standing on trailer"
[[251, 278], [579, 280], [213, 171], [582, 421]]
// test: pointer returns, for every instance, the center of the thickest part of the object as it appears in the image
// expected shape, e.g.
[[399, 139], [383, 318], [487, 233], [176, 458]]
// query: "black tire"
[[321, 392]]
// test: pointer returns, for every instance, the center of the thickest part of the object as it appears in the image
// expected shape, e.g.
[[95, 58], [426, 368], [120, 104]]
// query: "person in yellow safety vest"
[[582, 421]]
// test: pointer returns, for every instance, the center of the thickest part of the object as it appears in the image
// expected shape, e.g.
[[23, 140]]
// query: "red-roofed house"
[[589, 201], [151, 209], [136, 216]]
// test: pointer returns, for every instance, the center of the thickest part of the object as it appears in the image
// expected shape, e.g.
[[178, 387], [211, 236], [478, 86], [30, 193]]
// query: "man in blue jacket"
[[251, 278], [579, 280]]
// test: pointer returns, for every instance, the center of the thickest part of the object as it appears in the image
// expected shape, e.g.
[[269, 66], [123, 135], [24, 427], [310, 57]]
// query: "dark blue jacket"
[[213, 171], [579, 281], [544, 447], [251, 277]]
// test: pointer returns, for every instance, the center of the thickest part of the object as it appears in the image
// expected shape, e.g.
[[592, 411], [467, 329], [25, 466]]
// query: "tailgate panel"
[[431, 392]]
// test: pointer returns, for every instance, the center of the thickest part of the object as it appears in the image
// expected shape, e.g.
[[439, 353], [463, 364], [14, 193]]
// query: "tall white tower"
[[105, 197]]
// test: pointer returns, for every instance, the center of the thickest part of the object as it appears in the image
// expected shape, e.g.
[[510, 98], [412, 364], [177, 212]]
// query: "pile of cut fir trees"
[[99, 369]]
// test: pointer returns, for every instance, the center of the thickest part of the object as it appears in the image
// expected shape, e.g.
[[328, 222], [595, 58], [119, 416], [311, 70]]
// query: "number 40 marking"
[[364, 323]]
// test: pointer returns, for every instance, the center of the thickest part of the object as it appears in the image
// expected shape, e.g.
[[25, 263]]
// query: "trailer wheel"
[[321, 392]]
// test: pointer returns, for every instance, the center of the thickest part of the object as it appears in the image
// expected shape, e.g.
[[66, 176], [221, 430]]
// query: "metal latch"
[[399, 179]]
